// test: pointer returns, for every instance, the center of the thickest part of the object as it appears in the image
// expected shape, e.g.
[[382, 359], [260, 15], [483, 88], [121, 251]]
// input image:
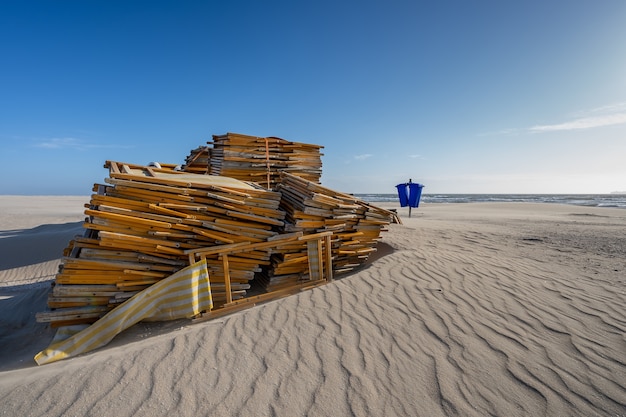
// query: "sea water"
[[589, 200]]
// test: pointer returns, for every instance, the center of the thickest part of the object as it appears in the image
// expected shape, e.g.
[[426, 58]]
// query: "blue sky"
[[462, 96]]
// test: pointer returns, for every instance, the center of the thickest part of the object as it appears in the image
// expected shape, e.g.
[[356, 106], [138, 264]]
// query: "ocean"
[[589, 200]]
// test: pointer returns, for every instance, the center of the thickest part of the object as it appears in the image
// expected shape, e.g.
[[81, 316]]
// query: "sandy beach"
[[502, 309]]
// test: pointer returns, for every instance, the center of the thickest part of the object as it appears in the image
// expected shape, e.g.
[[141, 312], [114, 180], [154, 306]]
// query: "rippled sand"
[[466, 309]]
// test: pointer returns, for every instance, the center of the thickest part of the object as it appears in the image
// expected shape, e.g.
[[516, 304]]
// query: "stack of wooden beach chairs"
[[356, 226], [141, 227], [198, 160], [147, 222], [258, 159]]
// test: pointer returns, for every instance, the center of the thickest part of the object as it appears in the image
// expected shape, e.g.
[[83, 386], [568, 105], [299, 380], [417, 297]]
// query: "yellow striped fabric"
[[186, 293]]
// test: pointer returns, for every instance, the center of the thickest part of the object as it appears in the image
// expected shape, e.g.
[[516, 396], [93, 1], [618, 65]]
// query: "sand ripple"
[[448, 323]]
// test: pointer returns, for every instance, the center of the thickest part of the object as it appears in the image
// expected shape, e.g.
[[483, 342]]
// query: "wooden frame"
[[318, 249]]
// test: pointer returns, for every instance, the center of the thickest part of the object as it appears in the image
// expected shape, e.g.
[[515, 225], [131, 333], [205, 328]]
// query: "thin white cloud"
[[73, 143], [613, 114], [583, 123], [416, 156], [363, 156], [611, 108], [59, 143]]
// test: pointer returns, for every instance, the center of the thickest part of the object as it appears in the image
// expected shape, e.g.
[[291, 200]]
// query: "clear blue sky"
[[462, 96]]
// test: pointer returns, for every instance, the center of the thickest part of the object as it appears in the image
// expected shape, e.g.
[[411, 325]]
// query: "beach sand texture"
[[506, 309]]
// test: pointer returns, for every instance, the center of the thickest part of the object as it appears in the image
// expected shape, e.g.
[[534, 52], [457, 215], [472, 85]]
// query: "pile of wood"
[[141, 227], [258, 159], [148, 222], [198, 161], [311, 208]]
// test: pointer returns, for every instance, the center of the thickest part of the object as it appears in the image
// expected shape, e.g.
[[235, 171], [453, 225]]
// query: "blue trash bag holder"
[[415, 192], [403, 194], [409, 194]]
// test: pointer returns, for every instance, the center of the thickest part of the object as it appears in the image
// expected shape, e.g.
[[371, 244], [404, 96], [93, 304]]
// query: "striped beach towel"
[[184, 294]]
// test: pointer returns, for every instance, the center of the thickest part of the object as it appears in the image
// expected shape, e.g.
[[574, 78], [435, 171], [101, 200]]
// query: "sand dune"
[[468, 310]]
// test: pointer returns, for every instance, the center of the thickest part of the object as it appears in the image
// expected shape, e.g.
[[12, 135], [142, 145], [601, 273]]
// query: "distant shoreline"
[[611, 200], [585, 200]]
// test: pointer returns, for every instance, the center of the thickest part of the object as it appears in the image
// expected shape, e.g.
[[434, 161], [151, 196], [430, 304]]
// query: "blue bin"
[[403, 195], [409, 194], [415, 193]]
